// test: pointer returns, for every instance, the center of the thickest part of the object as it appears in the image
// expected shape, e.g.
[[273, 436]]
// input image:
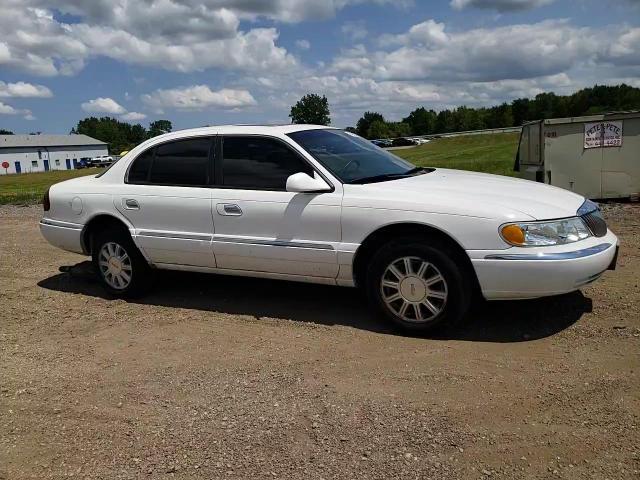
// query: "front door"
[[46, 165], [68, 162], [261, 227], [167, 199], [18, 167]]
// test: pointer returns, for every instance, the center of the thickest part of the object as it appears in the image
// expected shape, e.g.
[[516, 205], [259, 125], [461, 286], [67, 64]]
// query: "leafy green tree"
[[520, 110], [421, 121], [363, 125], [378, 129], [445, 121], [311, 109], [398, 129], [159, 127], [5, 132], [119, 135], [596, 99]]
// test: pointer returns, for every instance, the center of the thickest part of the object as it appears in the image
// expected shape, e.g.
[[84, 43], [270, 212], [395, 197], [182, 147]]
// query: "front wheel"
[[121, 268], [418, 285]]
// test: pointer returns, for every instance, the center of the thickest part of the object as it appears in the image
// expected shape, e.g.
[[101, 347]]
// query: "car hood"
[[467, 193]]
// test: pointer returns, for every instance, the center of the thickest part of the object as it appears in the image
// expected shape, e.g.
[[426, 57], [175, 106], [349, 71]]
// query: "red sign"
[[5, 165]]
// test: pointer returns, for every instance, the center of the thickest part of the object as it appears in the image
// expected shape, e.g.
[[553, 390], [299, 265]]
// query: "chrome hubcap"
[[115, 265], [413, 289]]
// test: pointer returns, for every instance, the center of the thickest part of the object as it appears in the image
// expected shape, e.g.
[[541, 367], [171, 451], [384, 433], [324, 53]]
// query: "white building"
[[41, 153]]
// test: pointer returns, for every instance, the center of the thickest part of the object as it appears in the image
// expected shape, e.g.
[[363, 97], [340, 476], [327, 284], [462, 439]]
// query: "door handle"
[[131, 204], [229, 209]]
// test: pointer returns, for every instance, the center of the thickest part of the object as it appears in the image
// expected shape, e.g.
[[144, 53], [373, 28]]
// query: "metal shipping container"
[[597, 156]]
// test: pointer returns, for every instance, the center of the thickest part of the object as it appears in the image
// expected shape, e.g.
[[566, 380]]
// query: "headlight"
[[551, 232]]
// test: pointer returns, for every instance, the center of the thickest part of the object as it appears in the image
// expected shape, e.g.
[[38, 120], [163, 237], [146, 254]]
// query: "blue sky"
[[247, 61]]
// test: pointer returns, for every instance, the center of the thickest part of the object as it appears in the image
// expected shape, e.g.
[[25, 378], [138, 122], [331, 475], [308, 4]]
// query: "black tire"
[[455, 286], [134, 265]]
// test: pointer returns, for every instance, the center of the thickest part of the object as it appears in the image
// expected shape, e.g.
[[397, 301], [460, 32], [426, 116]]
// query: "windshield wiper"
[[388, 176]]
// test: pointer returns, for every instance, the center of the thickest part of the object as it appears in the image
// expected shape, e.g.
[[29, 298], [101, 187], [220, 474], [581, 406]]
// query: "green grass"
[[479, 153], [494, 153], [28, 188]]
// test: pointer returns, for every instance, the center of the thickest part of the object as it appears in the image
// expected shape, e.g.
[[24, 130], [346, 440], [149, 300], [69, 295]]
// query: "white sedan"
[[321, 205]]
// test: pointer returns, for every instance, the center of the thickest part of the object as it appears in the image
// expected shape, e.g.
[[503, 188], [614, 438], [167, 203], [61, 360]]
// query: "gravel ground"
[[214, 377]]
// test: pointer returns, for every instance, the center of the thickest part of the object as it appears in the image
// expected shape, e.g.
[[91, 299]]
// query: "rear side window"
[[139, 171], [184, 162], [259, 163], [180, 163]]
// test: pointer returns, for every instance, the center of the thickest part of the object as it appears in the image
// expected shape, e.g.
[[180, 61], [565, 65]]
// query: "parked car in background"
[[403, 142], [383, 143], [321, 205], [102, 161], [421, 141], [83, 163]]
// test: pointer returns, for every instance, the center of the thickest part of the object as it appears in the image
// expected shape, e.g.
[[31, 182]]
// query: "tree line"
[[422, 121], [120, 135]]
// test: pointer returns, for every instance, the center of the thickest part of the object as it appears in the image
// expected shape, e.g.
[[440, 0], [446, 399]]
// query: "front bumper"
[[64, 235], [517, 273]]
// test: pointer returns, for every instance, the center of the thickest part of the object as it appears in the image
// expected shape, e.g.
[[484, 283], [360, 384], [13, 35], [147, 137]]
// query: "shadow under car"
[[497, 321]]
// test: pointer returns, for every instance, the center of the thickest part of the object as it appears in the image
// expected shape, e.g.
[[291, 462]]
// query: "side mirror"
[[303, 183]]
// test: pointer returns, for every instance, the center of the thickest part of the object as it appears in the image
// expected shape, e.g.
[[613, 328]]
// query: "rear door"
[[167, 198]]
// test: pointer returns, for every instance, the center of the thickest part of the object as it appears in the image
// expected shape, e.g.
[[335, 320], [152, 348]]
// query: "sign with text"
[[603, 134]]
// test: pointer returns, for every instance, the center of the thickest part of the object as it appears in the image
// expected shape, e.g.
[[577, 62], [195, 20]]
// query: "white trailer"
[[597, 156]]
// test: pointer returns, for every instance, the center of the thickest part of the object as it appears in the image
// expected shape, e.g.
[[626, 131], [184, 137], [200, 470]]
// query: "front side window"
[[181, 163], [352, 158], [259, 163], [34, 163]]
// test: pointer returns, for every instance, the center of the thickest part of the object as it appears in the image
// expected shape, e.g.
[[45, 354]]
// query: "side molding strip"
[[274, 243], [241, 240], [58, 223], [181, 236]]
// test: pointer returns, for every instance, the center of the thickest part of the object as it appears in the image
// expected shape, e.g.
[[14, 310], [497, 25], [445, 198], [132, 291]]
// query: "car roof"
[[248, 129]]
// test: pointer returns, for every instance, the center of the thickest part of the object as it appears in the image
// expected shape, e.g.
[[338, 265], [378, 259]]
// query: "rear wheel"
[[417, 284], [121, 268]]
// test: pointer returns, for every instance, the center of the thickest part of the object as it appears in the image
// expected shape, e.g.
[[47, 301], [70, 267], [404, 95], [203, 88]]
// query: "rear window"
[[179, 163], [183, 162]]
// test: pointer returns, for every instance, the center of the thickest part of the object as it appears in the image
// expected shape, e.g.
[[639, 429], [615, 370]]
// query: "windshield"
[[352, 158]]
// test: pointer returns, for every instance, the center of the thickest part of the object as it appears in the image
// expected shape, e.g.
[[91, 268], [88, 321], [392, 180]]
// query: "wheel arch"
[[98, 223], [379, 237]]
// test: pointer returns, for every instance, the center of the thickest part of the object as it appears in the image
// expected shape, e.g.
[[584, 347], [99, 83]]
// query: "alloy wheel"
[[115, 265], [413, 289]]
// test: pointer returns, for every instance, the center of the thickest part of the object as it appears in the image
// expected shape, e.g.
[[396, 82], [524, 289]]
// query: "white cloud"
[[198, 35], [355, 30], [196, 38], [428, 51], [198, 97], [24, 90], [500, 5], [124, 13], [133, 116], [103, 105], [9, 110], [303, 44]]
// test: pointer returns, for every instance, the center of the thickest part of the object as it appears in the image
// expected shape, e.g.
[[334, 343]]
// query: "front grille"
[[596, 223]]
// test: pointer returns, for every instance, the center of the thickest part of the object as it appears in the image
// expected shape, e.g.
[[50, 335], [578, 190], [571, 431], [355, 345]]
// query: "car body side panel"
[[279, 232], [171, 224]]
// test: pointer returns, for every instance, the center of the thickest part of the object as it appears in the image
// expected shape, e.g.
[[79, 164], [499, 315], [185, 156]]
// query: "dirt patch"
[[211, 377]]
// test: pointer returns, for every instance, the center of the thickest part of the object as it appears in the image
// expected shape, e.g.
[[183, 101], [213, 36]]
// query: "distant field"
[[493, 153], [481, 153], [30, 187]]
